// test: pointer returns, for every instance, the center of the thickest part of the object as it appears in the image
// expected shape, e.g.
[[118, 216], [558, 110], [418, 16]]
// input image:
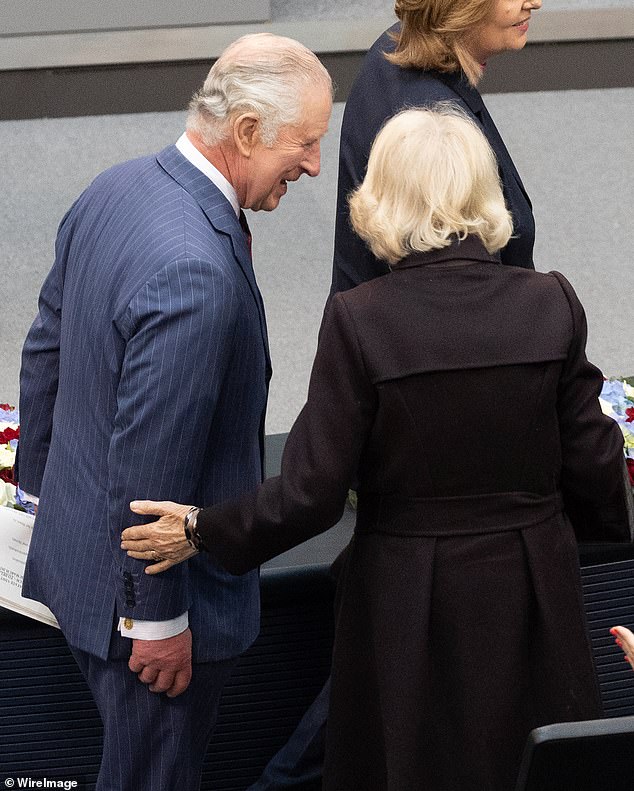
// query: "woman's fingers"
[[165, 526], [138, 532], [624, 638], [162, 541], [163, 565], [157, 507], [148, 554]]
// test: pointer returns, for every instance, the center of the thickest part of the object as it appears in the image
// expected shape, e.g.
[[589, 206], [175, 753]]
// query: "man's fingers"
[[135, 665], [148, 675], [163, 682], [181, 682]]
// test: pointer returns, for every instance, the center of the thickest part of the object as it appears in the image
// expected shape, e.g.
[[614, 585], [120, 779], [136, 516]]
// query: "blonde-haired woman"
[[459, 391], [436, 52], [442, 185]]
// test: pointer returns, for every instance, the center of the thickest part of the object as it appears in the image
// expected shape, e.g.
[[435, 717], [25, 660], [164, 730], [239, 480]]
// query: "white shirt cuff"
[[153, 630]]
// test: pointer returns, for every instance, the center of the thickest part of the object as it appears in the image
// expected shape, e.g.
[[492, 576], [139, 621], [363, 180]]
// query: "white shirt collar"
[[191, 153]]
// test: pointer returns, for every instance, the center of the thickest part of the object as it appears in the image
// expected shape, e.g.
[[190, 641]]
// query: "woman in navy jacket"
[[436, 53]]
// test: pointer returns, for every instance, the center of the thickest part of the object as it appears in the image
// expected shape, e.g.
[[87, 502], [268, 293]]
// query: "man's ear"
[[246, 133]]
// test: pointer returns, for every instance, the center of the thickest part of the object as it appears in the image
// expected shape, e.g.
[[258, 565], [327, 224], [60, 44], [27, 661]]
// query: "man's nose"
[[312, 163]]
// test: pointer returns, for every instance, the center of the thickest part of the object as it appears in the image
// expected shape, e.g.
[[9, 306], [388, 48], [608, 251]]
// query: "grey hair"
[[259, 73]]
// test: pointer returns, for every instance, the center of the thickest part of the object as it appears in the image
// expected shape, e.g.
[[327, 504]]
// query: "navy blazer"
[[380, 91], [144, 375]]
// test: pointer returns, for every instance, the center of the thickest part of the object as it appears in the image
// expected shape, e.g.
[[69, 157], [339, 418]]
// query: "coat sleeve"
[[320, 459], [179, 336], [595, 491]]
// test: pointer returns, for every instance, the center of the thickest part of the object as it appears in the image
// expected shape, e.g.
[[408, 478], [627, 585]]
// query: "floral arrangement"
[[10, 494], [617, 401], [9, 435]]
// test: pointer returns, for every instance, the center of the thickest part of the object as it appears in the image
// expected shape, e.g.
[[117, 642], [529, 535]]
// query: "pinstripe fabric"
[[152, 742], [145, 374]]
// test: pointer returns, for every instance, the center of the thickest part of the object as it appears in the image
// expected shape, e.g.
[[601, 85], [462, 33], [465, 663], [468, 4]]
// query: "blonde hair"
[[431, 176], [434, 33], [260, 73]]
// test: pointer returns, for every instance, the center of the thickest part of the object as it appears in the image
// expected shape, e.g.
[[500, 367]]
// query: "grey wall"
[[52, 16]]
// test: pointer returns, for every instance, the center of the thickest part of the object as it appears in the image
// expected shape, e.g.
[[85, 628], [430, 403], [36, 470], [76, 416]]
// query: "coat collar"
[[468, 250]]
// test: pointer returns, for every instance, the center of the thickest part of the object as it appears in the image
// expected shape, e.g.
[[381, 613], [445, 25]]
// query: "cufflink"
[[128, 623]]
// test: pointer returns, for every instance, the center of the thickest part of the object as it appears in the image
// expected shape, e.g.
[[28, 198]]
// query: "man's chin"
[[272, 202]]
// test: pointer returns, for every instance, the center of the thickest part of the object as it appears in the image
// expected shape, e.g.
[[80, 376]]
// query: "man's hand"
[[166, 665]]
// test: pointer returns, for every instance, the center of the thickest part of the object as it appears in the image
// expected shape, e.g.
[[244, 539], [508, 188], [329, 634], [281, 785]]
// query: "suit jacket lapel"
[[471, 97], [222, 217]]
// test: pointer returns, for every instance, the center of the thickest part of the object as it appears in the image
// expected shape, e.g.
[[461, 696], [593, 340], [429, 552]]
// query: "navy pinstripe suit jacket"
[[144, 375]]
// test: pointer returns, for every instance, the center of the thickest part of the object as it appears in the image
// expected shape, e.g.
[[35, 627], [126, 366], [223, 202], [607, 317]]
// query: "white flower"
[[7, 456], [7, 493]]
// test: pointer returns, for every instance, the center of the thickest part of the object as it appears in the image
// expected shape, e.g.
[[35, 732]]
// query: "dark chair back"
[[580, 756]]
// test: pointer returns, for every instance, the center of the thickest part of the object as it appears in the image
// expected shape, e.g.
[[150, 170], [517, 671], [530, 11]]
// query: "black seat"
[[580, 756]]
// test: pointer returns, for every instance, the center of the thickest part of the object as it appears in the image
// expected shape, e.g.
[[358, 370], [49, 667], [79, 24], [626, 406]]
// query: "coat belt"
[[454, 516]]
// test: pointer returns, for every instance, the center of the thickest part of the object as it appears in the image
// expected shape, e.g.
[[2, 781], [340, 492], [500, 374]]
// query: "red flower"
[[630, 469], [629, 415], [6, 474], [9, 434], [7, 407]]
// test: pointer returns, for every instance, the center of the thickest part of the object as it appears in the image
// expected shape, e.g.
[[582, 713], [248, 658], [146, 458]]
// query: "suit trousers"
[[299, 764], [151, 742]]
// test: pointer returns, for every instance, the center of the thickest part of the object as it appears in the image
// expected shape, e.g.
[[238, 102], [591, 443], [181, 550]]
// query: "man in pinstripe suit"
[[145, 374]]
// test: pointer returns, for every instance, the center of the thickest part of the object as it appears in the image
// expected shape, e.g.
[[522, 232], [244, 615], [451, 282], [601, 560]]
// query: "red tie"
[[247, 232]]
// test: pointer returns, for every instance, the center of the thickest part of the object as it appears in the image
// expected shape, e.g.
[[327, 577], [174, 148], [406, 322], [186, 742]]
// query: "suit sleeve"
[[320, 459], [178, 330], [594, 486], [39, 374]]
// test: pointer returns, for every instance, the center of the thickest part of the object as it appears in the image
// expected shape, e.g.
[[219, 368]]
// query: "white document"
[[15, 537]]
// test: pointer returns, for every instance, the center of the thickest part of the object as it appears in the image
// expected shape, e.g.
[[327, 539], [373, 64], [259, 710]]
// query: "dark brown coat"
[[459, 390]]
